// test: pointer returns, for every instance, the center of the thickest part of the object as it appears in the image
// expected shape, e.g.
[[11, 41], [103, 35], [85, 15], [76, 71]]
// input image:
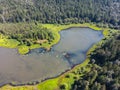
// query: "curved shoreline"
[[37, 81], [92, 47], [59, 74]]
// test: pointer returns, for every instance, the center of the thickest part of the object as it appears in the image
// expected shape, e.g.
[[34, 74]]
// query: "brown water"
[[39, 64]]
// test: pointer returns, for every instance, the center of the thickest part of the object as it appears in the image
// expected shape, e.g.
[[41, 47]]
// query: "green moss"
[[49, 85], [23, 49], [9, 43], [33, 46]]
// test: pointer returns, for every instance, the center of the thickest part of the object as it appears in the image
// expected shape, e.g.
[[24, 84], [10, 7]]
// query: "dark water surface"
[[39, 64]]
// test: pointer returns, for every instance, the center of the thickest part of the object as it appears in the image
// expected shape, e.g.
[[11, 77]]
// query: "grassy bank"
[[66, 79]]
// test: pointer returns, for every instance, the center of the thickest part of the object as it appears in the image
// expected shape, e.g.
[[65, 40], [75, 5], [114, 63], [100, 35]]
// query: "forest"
[[103, 12], [105, 73]]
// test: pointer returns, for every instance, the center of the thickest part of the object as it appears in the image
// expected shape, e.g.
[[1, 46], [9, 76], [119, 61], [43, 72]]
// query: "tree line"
[[61, 11]]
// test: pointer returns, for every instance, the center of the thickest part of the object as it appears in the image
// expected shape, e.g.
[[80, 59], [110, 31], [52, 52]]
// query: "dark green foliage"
[[62, 87], [110, 51], [28, 33], [61, 11], [105, 73]]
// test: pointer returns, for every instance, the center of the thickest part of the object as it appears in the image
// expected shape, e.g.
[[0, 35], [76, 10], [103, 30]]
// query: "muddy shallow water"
[[39, 64]]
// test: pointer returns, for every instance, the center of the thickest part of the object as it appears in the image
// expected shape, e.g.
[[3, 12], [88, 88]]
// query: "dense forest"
[[61, 11], [105, 73]]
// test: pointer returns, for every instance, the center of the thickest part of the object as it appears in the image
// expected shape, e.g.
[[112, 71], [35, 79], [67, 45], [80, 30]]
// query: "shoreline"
[[37, 81], [42, 80], [90, 50]]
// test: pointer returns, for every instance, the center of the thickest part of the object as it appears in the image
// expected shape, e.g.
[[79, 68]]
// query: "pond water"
[[40, 64]]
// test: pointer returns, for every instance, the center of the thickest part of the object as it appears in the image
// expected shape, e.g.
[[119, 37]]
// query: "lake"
[[40, 64]]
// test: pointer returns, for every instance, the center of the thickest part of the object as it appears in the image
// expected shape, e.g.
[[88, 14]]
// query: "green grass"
[[23, 49], [9, 43], [51, 84]]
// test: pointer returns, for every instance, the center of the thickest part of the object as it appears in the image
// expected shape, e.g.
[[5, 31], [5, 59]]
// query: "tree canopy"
[[61, 11]]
